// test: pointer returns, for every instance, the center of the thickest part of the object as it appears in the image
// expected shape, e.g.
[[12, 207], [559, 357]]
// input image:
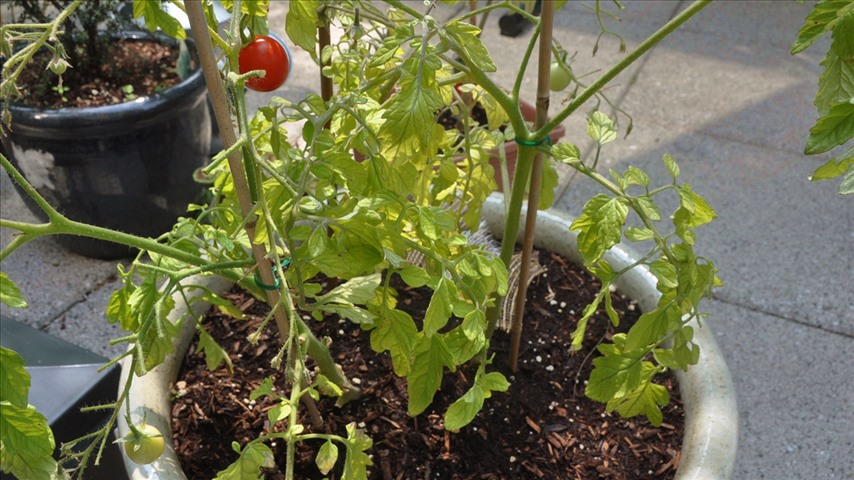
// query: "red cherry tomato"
[[269, 54]]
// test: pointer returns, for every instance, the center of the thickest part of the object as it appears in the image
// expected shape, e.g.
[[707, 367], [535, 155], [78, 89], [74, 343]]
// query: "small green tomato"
[[57, 65], [144, 445], [560, 76]]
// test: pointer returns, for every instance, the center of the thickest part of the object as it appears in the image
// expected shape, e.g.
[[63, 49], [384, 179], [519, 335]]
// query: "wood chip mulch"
[[542, 428]]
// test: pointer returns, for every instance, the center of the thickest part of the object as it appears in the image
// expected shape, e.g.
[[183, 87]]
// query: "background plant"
[[284, 212]]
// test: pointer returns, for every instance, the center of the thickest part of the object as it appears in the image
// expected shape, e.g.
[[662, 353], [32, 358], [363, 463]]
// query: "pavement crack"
[[753, 308]]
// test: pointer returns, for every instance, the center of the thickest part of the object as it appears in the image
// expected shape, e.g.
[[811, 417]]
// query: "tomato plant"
[[144, 443], [269, 54]]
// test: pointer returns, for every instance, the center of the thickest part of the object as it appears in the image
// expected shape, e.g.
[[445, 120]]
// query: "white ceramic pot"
[[711, 415]]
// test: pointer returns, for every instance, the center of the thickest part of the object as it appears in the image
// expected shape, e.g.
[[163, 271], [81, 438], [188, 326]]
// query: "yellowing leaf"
[[431, 357], [248, 466]]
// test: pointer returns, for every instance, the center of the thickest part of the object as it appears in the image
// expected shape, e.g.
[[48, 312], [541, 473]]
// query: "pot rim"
[[24, 115]]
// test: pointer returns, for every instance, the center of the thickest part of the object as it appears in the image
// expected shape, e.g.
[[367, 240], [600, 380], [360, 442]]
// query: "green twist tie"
[[533, 143], [285, 264]]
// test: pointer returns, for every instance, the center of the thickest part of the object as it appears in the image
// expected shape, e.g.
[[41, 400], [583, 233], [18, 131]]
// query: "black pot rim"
[[59, 118]]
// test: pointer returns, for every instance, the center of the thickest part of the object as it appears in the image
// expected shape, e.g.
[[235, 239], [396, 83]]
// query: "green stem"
[[645, 46]]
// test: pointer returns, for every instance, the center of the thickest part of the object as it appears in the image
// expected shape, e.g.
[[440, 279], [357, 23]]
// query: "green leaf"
[[548, 187], [431, 357], [665, 272], [473, 51], [396, 332], [636, 176], [652, 327], [847, 185], [327, 387], [327, 455], [359, 290], [9, 293], [824, 17], [836, 83], [615, 373], [601, 128], [155, 17], [26, 443], [670, 164], [248, 466], [842, 167], [439, 310], [645, 400], [409, 126], [834, 168], [118, 308], [414, 276], [694, 210], [224, 305], [648, 208], [301, 25], [566, 153], [463, 411], [215, 355], [600, 226], [358, 443], [14, 379], [833, 129], [637, 234]]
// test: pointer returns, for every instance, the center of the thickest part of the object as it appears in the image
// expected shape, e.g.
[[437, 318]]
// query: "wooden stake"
[[544, 71]]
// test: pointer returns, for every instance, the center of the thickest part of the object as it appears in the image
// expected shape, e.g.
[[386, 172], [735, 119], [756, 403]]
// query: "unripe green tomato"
[[560, 77], [148, 447], [57, 65]]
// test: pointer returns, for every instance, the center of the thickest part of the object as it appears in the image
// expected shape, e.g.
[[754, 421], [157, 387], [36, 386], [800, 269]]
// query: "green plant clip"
[[533, 143], [284, 266]]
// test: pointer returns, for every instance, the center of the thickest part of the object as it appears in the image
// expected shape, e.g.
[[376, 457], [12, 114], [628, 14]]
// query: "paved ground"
[[725, 98]]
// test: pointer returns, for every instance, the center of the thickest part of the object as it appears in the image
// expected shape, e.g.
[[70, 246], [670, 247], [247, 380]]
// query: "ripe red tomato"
[[269, 54]]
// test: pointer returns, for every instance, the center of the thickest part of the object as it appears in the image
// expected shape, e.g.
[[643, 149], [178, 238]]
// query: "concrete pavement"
[[727, 101]]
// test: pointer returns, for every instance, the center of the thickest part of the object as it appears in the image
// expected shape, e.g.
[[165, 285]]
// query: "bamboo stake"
[[199, 27], [547, 21]]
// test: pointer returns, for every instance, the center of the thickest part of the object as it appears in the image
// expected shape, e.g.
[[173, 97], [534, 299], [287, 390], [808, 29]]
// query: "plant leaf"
[[27, 443], [645, 400], [358, 461], [301, 25], [431, 357], [248, 466], [600, 226], [10, 294], [824, 17], [439, 310], [359, 290], [463, 411], [215, 355], [327, 455], [833, 129], [155, 17], [615, 373], [467, 37], [14, 379], [601, 128], [396, 332]]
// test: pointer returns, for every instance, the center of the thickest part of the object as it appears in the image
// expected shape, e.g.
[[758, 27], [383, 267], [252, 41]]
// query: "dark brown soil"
[[147, 67], [543, 427]]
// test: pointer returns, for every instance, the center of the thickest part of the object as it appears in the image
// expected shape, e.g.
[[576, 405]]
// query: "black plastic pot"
[[127, 167]]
